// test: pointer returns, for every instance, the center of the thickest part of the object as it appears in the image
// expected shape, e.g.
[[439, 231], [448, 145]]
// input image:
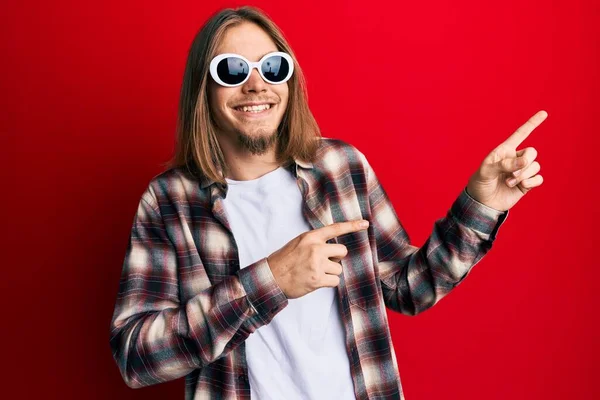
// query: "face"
[[255, 132]]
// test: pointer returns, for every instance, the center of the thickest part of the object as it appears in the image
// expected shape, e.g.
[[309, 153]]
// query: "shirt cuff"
[[477, 216], [262, 291]]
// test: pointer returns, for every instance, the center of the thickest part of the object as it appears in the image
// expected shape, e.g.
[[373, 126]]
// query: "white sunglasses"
[[232, 70]]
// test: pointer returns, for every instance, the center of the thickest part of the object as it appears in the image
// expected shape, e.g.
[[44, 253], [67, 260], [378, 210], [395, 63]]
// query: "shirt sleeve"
[[154, 337], [414, 279]]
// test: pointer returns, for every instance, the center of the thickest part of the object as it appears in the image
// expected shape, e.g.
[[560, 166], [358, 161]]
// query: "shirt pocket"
[[364, 297], [359, 274]]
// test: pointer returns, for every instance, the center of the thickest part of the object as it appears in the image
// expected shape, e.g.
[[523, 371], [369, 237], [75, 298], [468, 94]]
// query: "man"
[[248, 271]]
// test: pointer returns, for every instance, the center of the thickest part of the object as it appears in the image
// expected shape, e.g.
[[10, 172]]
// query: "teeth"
[[254, 109]]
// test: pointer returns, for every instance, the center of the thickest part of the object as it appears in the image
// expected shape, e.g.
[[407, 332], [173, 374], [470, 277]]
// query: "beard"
[[260, 142]]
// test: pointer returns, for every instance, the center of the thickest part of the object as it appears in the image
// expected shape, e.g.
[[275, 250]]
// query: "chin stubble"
[[258, 144]]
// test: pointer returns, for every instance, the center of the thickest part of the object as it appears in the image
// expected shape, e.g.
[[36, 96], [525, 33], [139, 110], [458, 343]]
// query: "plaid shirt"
[[185, 307]]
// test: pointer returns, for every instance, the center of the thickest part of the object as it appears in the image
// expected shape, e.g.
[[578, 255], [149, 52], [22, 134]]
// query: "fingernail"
[[512, 182], [364, 224], [516, 173]]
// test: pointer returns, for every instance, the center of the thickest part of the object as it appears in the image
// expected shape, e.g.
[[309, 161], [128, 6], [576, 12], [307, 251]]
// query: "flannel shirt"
[[184, 307]]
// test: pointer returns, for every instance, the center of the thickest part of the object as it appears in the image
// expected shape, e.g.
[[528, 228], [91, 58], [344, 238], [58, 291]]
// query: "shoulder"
[[171, 186], [335, 153]]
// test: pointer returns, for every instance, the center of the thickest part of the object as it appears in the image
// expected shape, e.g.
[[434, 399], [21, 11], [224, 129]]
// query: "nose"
[[255, 83]]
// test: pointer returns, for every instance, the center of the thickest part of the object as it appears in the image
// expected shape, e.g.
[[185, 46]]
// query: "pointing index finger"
[[524, 130], [341, 228]]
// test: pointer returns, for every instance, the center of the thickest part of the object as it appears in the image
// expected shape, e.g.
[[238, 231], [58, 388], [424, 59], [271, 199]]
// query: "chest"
[[225, 237]]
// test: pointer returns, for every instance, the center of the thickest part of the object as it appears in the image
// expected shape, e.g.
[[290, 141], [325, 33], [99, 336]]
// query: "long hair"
[[197, 148]]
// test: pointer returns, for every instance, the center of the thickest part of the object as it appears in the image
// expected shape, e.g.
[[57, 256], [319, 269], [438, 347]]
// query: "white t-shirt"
[[301, 353]]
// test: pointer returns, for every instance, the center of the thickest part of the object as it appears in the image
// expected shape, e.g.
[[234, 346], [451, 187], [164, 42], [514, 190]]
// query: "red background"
[[88, 102]]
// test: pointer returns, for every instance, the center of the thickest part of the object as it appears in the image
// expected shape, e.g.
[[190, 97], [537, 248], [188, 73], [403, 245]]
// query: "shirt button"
[[242, 378], [233, 263]]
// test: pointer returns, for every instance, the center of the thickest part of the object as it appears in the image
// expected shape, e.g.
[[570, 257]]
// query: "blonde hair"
[[197, 148]]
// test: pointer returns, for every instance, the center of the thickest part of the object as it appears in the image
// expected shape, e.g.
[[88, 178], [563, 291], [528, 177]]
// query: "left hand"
[[490, 184]]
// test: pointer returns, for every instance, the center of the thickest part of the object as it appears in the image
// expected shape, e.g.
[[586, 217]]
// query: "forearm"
[[418, 278], [162, 340]]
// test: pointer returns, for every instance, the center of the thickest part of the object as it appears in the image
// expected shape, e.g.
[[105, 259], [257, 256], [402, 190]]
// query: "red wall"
[[88, 102]]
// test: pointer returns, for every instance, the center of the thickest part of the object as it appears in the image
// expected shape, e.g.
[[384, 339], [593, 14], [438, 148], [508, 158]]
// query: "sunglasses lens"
[[275, 68], [232, 70]]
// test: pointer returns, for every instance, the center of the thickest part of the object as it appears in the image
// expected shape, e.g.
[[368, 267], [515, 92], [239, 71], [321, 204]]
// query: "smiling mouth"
[[254, 109]]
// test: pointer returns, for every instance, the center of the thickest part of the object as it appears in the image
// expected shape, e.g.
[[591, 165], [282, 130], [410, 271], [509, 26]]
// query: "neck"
[[244, 165]]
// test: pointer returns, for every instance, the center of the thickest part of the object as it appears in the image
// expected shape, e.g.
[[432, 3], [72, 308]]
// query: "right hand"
[[303, 264]]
